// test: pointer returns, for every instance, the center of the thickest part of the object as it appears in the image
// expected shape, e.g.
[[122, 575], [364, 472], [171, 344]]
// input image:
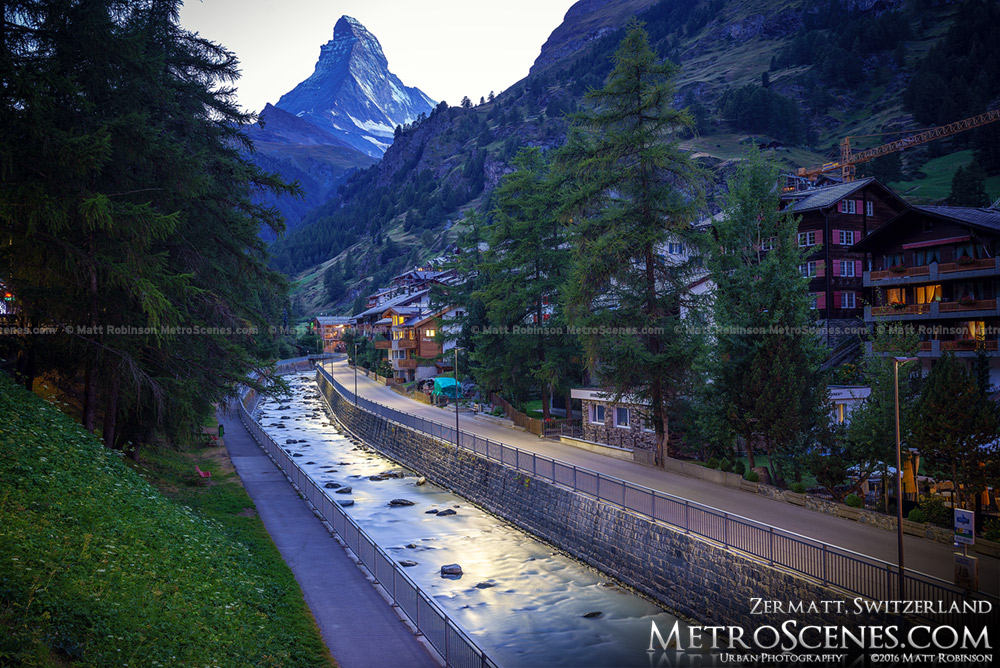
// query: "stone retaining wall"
[[695, 577]]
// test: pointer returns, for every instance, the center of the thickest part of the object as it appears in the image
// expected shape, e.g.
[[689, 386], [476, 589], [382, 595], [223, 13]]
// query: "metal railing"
[[828, 564], [450, 641]]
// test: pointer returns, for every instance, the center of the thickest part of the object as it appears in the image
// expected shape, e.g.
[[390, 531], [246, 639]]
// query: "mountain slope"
[[352, 94], [803, 73]]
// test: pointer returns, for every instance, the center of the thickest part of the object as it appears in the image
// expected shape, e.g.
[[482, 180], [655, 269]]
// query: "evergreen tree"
[[333, 283], [955, 427], [130, 206], [767, 385], [870, 438], [521, 277], [630, 190], [968, 187]]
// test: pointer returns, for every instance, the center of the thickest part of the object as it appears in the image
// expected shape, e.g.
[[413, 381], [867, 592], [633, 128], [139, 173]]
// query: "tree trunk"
[[90, 398], [111, 414]]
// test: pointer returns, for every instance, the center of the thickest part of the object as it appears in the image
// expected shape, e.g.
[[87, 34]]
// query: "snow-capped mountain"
[[352, 94]]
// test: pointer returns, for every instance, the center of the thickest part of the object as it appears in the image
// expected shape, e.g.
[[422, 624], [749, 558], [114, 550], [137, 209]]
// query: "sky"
[[446, 48]]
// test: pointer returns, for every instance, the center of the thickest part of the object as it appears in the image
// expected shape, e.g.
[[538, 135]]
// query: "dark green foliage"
[[765, 387], [739, 468], [131, 206], [936, 512], [333, 283], [630, 190], [968, 187], [955, 426], [887, 168], [960, 75], [752, 476], [518, 283], [712, 463], [798, 488], [756, 109], [854, 501], [917, 515]]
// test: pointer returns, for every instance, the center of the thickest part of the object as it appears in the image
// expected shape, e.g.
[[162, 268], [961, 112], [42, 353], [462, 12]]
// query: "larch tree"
[[629, 191]]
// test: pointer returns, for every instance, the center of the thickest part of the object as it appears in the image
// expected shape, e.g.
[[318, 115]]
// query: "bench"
[[203, 474]]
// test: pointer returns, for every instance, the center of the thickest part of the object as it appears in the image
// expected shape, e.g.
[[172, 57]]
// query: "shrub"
[[991, 529], [753, 477], [739, 467], [917, 515], [937, 512], [798, 488], [712, 463], [854, 501], [724, 465]]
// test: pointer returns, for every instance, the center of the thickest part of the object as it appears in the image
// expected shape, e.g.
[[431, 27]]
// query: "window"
[[675, 248], [895, 296], [848, 206], [963, 250], [894, 260], [870, 208], [647, 424], [807, 239], [813, 299], [621, 417], [808, 270], [928, 293], [841, 412], [927, 225], [845, 237], [430, 333], [922, 257], [768, 244], [597, 413], [847, 300], [847, 268]]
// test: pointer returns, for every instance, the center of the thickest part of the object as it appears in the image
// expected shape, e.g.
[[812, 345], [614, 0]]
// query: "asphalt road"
[[919, 554]]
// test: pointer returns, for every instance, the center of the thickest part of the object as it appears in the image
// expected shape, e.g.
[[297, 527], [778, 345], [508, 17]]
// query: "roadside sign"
[[966, 572], [965, 527]]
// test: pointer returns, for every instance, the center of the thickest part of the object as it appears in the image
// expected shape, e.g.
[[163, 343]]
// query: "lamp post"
[[456, 395], [896, 361], [355, 373]]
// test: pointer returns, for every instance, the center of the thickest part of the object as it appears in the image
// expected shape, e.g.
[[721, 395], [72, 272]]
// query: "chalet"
[[413, 346], [330, 330], [833, 219], [936, 268]]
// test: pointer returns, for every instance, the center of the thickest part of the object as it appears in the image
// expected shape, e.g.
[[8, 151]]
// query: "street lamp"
[[896, 361], [456, 395], [355, 373]]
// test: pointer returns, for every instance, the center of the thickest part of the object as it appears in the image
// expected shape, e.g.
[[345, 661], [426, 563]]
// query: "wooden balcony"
[[404, 364], [908, 272], [975, 265], [383, 345], [908, 309], [968, 305], [406, 344], [968, 346]]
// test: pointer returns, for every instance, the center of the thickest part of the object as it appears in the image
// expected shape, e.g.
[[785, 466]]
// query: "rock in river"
[[451, 569], [401, 502]]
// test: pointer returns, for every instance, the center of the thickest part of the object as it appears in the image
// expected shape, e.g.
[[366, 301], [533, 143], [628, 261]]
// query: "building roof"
[[401, 300], [327, 320], [987, 219], [827, 196]]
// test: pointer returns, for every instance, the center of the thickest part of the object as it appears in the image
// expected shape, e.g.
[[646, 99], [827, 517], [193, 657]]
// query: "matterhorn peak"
[[352, 93]]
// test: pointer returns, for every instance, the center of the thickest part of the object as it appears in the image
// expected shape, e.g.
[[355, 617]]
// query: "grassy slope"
[[99, 568], [937, 185]]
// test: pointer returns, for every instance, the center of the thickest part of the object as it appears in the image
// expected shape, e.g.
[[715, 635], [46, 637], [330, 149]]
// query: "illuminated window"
[[430, 333], [928, 293]]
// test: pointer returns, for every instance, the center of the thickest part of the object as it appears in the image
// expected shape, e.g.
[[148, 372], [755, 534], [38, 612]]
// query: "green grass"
[[937, 185], [99, 568]]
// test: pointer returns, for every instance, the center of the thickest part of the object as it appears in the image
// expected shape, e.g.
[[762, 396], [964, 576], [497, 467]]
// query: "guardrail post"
[[825, 581], [687, 516], [725, 529], [770, 543]]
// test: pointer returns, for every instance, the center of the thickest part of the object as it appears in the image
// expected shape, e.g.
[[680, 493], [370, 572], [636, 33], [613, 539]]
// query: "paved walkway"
[[921, 555], [358, 625]]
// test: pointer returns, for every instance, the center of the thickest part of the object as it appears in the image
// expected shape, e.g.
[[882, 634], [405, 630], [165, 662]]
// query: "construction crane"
[[849, 159]]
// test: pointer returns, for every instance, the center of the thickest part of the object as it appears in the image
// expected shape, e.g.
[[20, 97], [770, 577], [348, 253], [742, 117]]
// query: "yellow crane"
[[849, 159]]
